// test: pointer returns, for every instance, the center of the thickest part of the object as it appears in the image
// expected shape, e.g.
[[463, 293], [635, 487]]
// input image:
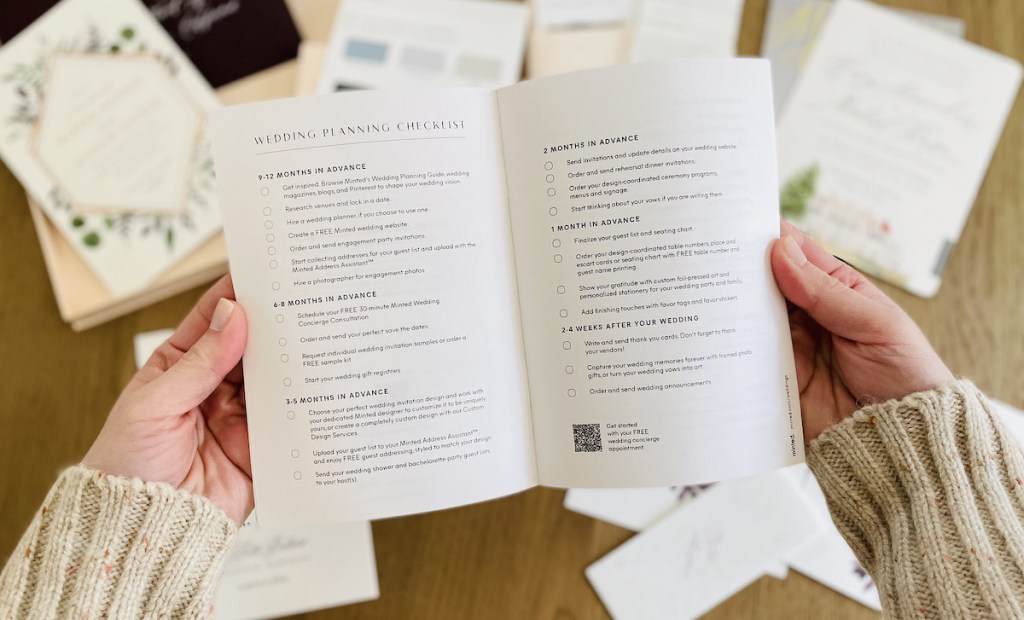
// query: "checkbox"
[[268, 224], [276, 286], [558, 258], [553, 211], [551, 191], [265, 191], [566, 345], [557, 243], [569, 370], [560, 289], [563, 313], [571, 393], [266, 211], [548, 165]]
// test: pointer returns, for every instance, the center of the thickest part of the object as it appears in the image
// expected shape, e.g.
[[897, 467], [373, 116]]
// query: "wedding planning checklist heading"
[[457, 294]]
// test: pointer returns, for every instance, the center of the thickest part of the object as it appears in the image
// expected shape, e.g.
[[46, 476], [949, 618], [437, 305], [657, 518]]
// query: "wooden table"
[[523, 556]]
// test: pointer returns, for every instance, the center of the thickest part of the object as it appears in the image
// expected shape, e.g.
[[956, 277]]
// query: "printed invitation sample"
[[103, 120], [706, 550], [666, 29], [388, 43], [273, 572], [792, 26], [886, 139], [456, 294], [229, 39]]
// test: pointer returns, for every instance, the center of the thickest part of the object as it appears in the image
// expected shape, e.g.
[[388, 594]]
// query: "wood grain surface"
[[522, 556]]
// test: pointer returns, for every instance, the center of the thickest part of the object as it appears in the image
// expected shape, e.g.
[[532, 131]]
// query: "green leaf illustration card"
[[103, 120]]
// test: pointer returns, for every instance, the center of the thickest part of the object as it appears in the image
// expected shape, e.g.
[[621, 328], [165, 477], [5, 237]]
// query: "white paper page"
[[886, 139], [550, 14], [667, 29], [705, 551], [791, 27], [384, 369], [389, 43], [657, 343], [274, 572]]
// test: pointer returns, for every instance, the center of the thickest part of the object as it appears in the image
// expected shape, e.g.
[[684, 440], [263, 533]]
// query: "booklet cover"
[[886, 139], [103, 120], [457, 294]]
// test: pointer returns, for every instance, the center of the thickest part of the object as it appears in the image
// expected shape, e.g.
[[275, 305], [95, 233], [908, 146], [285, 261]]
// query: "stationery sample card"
[[388, 43], [103, 120], [457, 294], [225, 39], [886, 139], [792, 26]]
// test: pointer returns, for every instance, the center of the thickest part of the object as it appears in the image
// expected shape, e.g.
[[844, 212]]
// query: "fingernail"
[[793, 251], [222, 315]]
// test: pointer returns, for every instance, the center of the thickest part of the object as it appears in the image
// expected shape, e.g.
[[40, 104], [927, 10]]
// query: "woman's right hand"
[[853, 345]]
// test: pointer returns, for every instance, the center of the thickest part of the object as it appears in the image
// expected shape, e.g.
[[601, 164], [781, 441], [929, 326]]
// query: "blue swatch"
[[370, 51]]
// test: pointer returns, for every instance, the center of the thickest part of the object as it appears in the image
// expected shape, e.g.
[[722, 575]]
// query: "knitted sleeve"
[[927, 490], [110, 547]]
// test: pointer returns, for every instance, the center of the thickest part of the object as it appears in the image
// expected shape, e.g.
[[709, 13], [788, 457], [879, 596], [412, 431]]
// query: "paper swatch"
[[388, 43], [667, 29]]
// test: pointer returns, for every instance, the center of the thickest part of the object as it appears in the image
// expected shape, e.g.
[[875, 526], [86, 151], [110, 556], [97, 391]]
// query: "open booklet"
[[454, 295]]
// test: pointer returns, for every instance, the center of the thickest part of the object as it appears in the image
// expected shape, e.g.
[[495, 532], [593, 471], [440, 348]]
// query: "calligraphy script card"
[[103, 120], [886, 138], [791, 27], [706, 550]]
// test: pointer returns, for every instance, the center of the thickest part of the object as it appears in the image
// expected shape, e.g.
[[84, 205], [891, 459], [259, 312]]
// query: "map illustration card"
[[103, 120], [886, 139]]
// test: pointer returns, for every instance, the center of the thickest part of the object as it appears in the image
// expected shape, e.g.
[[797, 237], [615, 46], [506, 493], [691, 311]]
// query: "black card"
[[225, 39]]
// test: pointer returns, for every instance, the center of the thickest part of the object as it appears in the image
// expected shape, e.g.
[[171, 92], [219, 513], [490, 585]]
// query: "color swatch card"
[[667, 29], [705, 551], [274, 571], [886, 139], [792, 26], [103, 120], [225, 39], [581, 13], [388, 43]]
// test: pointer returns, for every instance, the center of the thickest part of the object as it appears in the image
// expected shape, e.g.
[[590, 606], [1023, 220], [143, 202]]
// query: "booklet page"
[[369, 243], [643, 202]]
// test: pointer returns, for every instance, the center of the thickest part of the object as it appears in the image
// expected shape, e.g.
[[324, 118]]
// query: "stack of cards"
[[103, 120]]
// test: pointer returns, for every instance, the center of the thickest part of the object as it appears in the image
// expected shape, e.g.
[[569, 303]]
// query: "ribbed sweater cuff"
[[928, 491], [111, 547]]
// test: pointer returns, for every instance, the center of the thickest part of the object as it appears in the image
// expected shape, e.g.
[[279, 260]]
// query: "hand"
[[181, 420], [853, 345]]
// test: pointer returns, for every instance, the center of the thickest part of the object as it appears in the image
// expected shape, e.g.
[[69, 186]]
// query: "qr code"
[[587, 437]]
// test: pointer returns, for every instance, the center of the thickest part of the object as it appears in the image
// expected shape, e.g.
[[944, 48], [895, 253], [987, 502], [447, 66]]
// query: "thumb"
[[830, 301], [203, 367]]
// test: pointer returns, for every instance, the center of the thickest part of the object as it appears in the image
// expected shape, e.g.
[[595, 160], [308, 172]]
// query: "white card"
[[103, 120], [705, 551], [575, 13], [633, 509], [887, 137], [147, 342], [388, 43], [273, 572], [792, 26], [668, 29], [278, 571]]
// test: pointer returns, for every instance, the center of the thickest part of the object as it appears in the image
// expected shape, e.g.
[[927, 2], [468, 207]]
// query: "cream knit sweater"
[[109, 547], [927, 490]]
